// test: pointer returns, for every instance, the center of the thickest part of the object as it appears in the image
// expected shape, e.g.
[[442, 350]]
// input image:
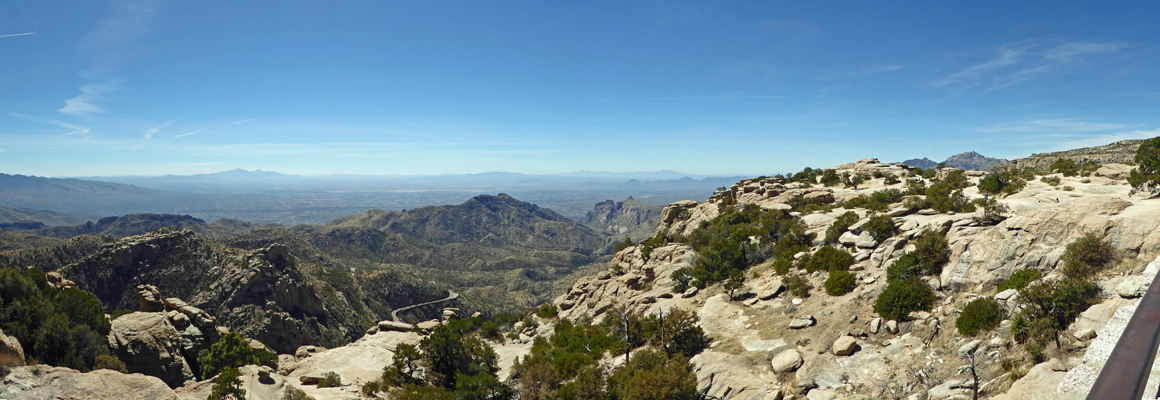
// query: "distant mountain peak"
[[965, 160]]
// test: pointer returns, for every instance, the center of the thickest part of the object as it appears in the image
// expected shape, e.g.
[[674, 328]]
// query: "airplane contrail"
[[17, 34]]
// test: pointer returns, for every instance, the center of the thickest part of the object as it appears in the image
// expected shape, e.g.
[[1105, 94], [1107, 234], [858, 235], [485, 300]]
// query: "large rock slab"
[[788, 360], [39, 382], [845, 345], [11, 352], [149, 344]]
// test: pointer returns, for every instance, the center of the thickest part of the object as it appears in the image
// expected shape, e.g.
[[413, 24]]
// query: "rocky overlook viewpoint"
[[801, 309]]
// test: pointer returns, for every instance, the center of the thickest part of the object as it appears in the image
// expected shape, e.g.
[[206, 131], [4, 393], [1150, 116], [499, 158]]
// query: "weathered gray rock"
[[802, 322], [771, 290], [848, 238], [307, 351], [39, 382], [1132, 287], [689, 293], [11, 352], [969, 347], [788, 360], [892, 326], [150, 345], [1085, 334], [845, 345], [1006, 295], [865, 241], [875, 325], [395, 326]]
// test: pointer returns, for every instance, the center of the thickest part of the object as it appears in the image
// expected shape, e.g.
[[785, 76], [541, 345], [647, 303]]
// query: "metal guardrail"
[[1125, 375]]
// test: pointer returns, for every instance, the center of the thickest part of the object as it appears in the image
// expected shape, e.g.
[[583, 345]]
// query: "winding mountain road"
[[450, 296]]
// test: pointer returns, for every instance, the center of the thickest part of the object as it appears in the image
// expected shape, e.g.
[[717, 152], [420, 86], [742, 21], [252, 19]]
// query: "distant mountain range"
[[968, 160]]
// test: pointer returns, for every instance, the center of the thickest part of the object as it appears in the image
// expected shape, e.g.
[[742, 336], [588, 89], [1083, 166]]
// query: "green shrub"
[[840, 225], [796, 285], [931, 252], [227, 386], [723, 244], [881, 227], [903, 296], [945, 197], [1066, 166], [1067, 188], [1085, 256], [981, 314], [547, 311], [1005, 181], [64, 328], [915, 203], [890, 180], [293, 393], [1049, 307], [1147, 174], [331, 379], [1051, 180], [652, 374], [1020, 279], [839, 283], [231, 351], [623, 245], [652, 243], [905, 267], [782, 265], [914, 187], [682, 277], [830, 259], [830, 178]]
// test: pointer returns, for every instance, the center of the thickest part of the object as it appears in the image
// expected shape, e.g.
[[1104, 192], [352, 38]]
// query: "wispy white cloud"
[[151, 131], [1056, 125], [73, 128], [85, 103], [107, 45], [194, 132], [243, 121], [1018, 62], [16, 34]]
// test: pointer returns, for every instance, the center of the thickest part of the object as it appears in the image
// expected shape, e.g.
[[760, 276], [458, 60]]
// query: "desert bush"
[[227, 386], [1048, 308], [981, 314], [890, 180], [905, 267], [830, 178], [1005, 181], [1051, 180], [652, 374], [1147, 175], [830, 259], [903, 296], [623, 245], [796, 285], [1085, 256], [839, 283], [647, 247], [331, 379], [914, 187], [723, 244], [945, 197], [231, 351], [547, 311], [881, 227], [782, 265], [931, 252], [1066, 166], [840, 225], [64, 328], [293, 393], [1019, 279]]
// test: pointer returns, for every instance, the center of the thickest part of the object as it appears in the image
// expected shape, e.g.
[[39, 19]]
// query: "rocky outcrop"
[[269, 300], [11, 353], [629, 218], [149, 344], [39, 382], [260, 294]]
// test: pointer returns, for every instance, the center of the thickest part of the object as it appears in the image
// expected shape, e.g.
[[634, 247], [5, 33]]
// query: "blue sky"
[[382, 87]]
